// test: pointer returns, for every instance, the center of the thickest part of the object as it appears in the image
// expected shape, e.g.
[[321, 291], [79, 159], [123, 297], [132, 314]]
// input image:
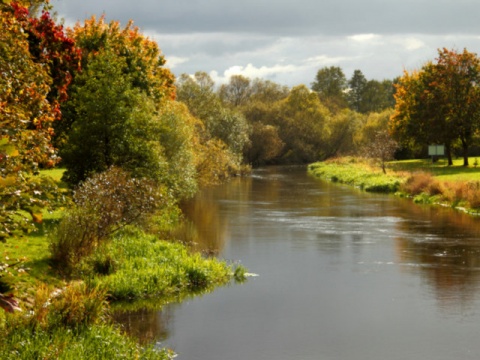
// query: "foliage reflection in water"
[[343, 275]]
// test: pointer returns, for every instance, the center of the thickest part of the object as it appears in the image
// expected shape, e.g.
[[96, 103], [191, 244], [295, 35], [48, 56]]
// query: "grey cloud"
[[301, 17], [272, 37]]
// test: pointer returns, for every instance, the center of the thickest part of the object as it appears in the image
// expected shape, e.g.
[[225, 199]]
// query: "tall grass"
[[68, 323], [147, 267]]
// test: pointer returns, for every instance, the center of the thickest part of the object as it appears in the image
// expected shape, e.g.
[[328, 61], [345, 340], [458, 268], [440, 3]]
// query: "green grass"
[[352, 172], [146, 267], [456, 186], [440, 169], [99, 342]]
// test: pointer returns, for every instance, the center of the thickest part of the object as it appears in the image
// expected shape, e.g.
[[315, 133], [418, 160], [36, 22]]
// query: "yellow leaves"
[[37, 217], [8, 181]]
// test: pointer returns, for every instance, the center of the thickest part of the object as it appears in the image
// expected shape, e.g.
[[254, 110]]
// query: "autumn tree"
[[440, 103], [26, 118], [50, 46], [143, 63]]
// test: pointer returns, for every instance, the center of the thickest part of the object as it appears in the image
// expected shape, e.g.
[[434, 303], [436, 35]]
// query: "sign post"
[[436, 150]]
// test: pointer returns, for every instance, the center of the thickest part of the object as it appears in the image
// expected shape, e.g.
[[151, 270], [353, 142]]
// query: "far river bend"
[[343, 275]]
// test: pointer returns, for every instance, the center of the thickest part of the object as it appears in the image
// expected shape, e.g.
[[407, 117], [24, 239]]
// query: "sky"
[[289, 41]]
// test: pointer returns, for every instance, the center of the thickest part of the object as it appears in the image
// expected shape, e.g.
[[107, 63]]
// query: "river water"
[[342, 275]]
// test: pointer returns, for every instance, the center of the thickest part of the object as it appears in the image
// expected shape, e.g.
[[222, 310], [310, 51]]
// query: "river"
[[342, 275]]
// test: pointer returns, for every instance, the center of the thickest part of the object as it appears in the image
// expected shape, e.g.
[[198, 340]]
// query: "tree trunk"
[[449, 154], [465, 153]]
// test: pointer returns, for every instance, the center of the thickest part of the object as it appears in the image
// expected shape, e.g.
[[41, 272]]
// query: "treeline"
[[267, 123]]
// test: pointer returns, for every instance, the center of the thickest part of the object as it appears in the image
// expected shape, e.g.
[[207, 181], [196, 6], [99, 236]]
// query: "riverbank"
[[426, 183], [67, 315]]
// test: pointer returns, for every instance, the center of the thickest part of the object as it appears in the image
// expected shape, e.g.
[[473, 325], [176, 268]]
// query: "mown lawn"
[[440, 169]]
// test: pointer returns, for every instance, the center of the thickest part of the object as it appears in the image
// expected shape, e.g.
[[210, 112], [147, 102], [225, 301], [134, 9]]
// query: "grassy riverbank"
[[66, 315], [455, 186]]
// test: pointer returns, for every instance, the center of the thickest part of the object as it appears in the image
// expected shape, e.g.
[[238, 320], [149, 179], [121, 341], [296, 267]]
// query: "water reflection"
[[439, 244], [343, 275], [443, 247], [145, 325]]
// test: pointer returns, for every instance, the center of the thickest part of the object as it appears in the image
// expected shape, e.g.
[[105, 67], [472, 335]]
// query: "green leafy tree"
[[377, 96], [301, 122], [366, 96], [331, 85], [339, 133], [356, 90], [236, 92], [220, 122], [104, 105], [142, 62], [117, 125], [261, 110]]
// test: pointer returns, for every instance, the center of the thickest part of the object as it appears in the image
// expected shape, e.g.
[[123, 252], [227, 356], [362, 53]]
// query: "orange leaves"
[[143, 58]]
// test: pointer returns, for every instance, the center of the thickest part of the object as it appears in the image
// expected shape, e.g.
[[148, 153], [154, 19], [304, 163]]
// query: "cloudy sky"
[[288, 41]]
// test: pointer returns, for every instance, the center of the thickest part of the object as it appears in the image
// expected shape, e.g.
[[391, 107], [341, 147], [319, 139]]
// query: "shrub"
[[473, 194], [103, 204], [421, 182]]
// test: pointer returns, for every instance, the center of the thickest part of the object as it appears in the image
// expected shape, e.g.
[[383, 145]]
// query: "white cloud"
[[253, 72], [412, 43], [364, 37], [174, 61]]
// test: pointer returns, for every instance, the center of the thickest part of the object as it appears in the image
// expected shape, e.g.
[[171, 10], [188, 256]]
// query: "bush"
[[473, 194], [103, 204], [422, 182]]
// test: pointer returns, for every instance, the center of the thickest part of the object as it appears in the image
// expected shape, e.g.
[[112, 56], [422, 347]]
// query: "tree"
[[440, 103], [331, 84], [118, 125], [301, 122], [339, 132], [367, 96], [382, 148], [103, 101], [459, 83], [26, 118], [356, 90], [50, 46], [267, 91], [143, 63], [377, 96], [220, 122], [236, 92]]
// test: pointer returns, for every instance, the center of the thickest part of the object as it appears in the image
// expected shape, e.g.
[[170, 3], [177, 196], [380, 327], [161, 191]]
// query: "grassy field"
[[440, 169]]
